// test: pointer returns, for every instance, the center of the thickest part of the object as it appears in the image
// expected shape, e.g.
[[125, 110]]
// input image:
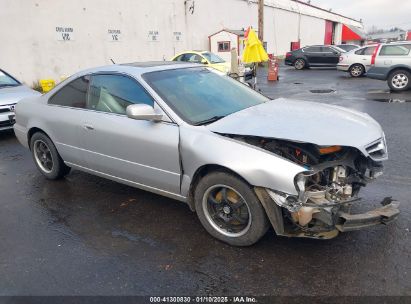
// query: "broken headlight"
[[288, 201]]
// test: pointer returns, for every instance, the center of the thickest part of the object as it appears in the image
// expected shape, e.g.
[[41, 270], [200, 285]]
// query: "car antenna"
[[112, 61]]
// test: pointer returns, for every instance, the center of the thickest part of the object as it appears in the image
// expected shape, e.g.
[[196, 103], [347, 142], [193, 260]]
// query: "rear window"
[[367, 51], [395, 50]]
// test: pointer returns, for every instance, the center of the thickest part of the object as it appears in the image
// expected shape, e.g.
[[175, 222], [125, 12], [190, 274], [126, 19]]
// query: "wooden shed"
[[223, 41]]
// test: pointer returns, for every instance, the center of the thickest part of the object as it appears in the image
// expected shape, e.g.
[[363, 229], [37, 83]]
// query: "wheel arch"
[[203, 171], [357, 63], [397, 68], [32, 131]]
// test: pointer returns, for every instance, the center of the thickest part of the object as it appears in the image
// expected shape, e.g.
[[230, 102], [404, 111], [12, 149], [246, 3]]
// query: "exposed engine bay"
[[327, 190]]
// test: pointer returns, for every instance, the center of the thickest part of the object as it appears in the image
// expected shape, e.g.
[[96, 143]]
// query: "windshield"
[[200, 96], [7, 81], [213, 58]]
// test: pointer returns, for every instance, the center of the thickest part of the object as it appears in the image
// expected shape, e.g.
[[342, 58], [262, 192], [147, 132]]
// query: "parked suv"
[[392, 62], [314, 56], [357, 62]]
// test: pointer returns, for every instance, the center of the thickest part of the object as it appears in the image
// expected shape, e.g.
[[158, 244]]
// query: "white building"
[[55, 38]]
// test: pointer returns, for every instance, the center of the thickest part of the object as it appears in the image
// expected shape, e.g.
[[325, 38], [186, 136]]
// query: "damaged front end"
[[327, 189]]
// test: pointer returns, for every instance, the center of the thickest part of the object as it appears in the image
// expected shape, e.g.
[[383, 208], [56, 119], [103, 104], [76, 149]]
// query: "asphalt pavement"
[[85, 235]]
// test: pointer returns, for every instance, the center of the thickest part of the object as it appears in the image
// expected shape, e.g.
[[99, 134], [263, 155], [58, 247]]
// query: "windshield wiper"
[[209, 120]]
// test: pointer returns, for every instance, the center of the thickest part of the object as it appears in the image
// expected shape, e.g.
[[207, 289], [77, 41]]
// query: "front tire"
[[46, 157], [399, 80], [300, 64], [357, 70], [229, 209]]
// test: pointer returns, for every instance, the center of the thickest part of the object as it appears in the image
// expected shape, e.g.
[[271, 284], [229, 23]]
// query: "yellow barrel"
[[47, 84]]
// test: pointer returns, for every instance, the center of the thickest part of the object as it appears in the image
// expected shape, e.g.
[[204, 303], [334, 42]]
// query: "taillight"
[[288, 54], [374, 54]]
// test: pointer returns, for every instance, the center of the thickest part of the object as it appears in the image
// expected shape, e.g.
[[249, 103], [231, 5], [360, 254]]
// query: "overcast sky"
[[381, 13]]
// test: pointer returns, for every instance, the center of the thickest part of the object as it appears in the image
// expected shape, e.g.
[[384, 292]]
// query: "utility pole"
[[261, 20]]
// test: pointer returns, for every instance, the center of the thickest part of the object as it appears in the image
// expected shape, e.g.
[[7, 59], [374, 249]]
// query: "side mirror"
[[143, 112], [203, 61]]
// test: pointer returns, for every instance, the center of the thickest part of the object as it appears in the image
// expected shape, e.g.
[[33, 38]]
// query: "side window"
[[312, 49], [327, 49], [395, 50], [73, 94], [360, 51], [369, 50], [113, 93], [179, 58], [193, 58]]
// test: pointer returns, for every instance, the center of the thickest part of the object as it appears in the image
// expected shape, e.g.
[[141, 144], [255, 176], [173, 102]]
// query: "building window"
[[224, 46]]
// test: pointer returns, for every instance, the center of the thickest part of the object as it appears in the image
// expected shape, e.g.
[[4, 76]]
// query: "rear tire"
[[357, 70], [229, 209], [300, 64], [399, 80], [46, 157]]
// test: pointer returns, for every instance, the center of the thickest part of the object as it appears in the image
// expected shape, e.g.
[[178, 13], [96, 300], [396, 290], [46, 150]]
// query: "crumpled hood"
[[10, 95], [303, 121]]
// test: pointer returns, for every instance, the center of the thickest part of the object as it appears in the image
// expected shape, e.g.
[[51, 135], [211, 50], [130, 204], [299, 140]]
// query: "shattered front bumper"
[[382, 215], [344, 221]]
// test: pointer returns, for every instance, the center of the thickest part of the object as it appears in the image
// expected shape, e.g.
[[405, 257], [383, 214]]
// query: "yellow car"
[[206, 58]]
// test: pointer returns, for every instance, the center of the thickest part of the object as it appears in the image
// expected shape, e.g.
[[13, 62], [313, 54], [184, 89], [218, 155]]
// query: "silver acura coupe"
[[241, 161]]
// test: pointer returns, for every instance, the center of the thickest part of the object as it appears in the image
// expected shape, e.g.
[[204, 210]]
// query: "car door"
[[330, 56], [313, 54], [139, 151], [64, 114]]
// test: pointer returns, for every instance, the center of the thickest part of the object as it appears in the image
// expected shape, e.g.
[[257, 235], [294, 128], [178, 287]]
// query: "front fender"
[[200, 147]]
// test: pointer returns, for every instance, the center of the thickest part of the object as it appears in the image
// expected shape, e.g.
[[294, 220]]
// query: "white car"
[[357, 62]]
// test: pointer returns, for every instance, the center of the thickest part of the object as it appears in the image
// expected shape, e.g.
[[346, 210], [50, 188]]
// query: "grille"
[[6, 108], [6, 124], [378, 149]]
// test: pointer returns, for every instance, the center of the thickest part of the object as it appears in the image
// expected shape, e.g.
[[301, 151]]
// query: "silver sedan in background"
[[239, 160], [11, 91], [357, 62]]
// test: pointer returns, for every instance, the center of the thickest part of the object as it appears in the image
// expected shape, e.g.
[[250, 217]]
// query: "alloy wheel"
[[42, 155], [400, 81], [299, 64], [226, 210], [356, 71]]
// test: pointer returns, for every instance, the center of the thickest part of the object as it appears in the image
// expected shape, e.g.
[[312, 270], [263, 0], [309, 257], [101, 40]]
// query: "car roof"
[[368, 45], [136, 68], [396, 42], [151, 64]]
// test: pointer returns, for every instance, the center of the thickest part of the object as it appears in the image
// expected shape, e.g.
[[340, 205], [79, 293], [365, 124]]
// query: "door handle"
[[88, 127]]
